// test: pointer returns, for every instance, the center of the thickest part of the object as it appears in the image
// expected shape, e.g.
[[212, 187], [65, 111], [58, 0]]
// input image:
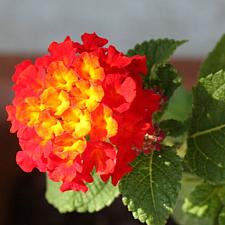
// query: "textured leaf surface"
[[179, 106], [157, 51], [206, 141], [174, 128], [215, 60], [151, 189], [188, 184], [166, 78], [99, 195], [204, 201], [222, 216]]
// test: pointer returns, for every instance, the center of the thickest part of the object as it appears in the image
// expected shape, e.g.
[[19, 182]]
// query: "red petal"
[[91, 42], [138, 65], [100, 155], [24, 161], [116, 58], [64, 51], [98, 131], [120, 91], [76, 185], [125, 155], [131, 130]]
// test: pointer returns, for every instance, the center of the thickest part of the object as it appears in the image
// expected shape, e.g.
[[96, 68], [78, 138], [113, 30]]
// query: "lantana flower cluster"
[[81, 108]]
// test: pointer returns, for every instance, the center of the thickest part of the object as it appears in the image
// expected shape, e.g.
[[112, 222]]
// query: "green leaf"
[[166, 79], [222, 216], [98, 196], [179, 105], [207, 203], [151, 189], [215, 60], [204, 201], [206, 141], [174, 128], [157, 51], [188, 184]]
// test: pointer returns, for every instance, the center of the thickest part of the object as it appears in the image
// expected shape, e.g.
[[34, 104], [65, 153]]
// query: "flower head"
[[80, 108]]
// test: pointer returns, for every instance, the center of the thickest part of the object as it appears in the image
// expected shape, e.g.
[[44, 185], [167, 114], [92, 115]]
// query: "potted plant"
[[101, 123]]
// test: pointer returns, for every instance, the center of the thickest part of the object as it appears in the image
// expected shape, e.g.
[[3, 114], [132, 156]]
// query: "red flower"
[[81, 108]]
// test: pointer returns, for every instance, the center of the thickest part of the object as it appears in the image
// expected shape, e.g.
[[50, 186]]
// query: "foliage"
[[98, 196], [150, 190], [193, 125]]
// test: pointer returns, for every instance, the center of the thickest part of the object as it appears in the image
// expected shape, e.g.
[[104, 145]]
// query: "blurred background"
[[26, 29]]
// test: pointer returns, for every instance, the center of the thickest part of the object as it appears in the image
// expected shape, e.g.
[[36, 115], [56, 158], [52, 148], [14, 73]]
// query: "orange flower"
[[81, 108]]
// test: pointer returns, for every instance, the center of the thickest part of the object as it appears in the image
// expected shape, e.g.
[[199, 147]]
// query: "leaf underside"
[[98, 196], [204, 201]]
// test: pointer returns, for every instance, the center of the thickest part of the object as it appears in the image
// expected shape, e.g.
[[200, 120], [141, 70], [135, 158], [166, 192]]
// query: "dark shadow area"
[[28, 206]]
